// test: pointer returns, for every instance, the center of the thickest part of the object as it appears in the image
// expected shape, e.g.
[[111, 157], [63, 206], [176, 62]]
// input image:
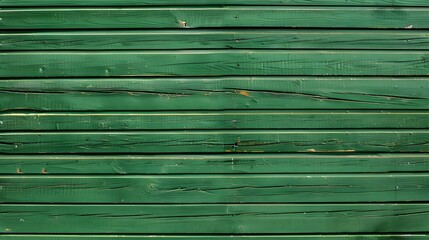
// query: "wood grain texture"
[[208, 237], [197, 120], [22, 3], [265, 188], [215, 218], [215, 39], [215, 17], [338, 141], [212, 164], [214, 119], [213, 63], [227, 93]]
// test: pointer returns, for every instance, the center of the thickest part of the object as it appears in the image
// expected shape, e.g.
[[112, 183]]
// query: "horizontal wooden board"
[[214, 94], [297, 119], [228, 93], [221, 188], [310, 141], [213, 63], [214, 39], [226, 164], [215, 17], [218, 218], [215, 237], [22, 3]]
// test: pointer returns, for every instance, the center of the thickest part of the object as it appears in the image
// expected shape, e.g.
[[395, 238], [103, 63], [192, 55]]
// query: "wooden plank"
[[224, 164], [297, 119], [215, 17], [208, 237], [25, 3], [216, 141], [213, 63], [228, 93], [215, 39], [215, 218], [221, 188]]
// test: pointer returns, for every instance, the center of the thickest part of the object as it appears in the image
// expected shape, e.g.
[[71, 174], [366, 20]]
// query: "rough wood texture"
[[214, 119], [215, 17], [274, 119], [155, 189], [214, 39], [215, 218], [207, 237], [213, 2], [217, 164], [213, 63], [310, 141], [228, 93]]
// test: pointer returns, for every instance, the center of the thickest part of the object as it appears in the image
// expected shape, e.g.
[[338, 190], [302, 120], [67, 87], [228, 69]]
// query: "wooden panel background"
[[214, 119]]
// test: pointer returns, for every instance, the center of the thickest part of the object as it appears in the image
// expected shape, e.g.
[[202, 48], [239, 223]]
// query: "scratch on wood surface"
[[183, 23], [244, 93], [325, 151]]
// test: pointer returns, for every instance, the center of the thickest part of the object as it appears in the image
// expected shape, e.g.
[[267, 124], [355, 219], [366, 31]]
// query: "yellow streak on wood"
[[244, 93]]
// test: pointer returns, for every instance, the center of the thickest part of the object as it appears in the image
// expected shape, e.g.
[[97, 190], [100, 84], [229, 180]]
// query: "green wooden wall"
[[214, 119]]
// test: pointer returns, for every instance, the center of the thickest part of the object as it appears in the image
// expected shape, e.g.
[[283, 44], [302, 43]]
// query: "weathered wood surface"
[[214, 39], [213, 63], [215, 17], [22, 3], [225, 93], [212, 164], [214, 119], [214, 237], [215, 218], [310, 141], [197, 120], [221, 188]]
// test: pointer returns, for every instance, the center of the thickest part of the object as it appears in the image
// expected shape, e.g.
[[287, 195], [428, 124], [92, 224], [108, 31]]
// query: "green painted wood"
[[221, 188], [22, 3], [348, 154], [206, 237], [215, 218], [213, 63], [214, 39], [338, 141], [297, 119], [220, 164], [214, 17], [228, 93]]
